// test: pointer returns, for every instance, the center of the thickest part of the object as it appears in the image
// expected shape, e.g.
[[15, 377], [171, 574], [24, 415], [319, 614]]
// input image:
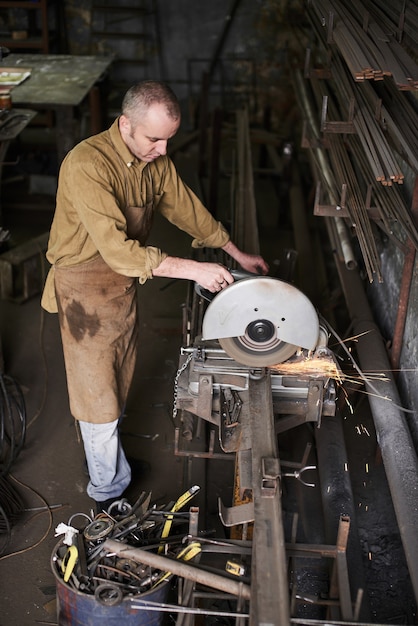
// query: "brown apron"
[[97, 311]]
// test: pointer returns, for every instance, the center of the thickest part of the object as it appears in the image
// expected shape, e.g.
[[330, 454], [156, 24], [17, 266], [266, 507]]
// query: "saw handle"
[[236, 274]]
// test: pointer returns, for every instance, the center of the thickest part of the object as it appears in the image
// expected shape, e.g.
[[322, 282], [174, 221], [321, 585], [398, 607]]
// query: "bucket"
[[75, 608]]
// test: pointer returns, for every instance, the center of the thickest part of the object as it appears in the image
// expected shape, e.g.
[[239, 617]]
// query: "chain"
[[176, 382]]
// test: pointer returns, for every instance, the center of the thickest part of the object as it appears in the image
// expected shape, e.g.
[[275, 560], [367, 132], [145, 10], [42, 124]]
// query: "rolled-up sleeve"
[[154, 256], [216, 239]]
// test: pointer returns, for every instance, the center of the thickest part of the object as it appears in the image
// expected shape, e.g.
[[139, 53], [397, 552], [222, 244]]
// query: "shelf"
[[36, 4], [29, 42], [37, 35]]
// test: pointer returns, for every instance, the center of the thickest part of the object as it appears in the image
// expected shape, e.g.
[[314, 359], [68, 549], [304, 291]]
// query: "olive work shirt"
[[98, 179]]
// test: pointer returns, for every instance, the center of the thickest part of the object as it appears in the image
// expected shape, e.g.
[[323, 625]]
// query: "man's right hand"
[[211, 276]]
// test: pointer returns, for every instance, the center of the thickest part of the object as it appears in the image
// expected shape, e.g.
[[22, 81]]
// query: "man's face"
[[148, 140]]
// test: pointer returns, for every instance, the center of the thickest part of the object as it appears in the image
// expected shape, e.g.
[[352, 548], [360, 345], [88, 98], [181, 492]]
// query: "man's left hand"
[[253, 263]]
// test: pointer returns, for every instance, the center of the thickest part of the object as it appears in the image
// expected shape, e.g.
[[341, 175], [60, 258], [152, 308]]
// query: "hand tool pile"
[[86, 566]]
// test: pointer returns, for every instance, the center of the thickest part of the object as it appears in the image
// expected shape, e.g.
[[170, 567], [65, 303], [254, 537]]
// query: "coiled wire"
[[12, 439], [12, 422]]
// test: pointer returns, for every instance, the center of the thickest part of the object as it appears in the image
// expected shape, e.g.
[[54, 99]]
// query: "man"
[[109, 187]]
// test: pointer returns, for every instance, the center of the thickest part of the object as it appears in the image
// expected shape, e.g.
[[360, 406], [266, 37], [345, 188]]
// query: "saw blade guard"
[[261, 321]]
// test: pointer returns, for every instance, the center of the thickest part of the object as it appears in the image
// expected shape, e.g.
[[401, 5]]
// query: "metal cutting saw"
[[256, 323]]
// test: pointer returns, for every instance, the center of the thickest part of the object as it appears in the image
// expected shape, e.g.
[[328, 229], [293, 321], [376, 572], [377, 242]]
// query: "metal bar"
[[407, 274], [269, 584], [148, 605], [368, 47], [342, 571], [187, 586], [209, 579]]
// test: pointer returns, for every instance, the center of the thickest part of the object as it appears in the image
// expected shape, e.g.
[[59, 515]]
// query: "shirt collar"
[[120, 145]]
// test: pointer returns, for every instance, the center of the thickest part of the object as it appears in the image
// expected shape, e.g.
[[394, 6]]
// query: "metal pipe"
[[393, 435], [165, 564], [346, 248]]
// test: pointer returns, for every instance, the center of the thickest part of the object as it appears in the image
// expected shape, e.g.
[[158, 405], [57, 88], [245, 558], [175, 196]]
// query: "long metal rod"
[[407, 275], [163, 563], [368, 49]]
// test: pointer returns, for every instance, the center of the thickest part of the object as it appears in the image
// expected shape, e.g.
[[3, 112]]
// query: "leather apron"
[[97, 310]]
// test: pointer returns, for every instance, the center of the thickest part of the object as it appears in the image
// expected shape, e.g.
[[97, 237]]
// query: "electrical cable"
[[12, 439], [11, 507], [47, 508], [12, 422]]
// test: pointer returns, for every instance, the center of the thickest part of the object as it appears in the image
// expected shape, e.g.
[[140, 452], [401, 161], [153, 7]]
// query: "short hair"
[[141, 96]]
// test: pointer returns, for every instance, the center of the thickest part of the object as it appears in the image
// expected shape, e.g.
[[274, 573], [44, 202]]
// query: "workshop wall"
[[78, 20], [251, 39]]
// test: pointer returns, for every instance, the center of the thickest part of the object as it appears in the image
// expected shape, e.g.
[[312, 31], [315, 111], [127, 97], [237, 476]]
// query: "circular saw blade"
[[257, 354], [262, 314]]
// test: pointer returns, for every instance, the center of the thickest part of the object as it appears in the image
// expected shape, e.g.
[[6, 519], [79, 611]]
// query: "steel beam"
[[269, 583]]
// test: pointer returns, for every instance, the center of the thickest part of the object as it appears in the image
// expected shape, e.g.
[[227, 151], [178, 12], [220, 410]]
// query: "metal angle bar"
[[269, 587], [341, 569], [234, 515], [187, 587]]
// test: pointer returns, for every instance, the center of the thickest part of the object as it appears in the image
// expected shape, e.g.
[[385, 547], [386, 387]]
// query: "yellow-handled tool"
[[181, 502], [68, 562], [186, 554]]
